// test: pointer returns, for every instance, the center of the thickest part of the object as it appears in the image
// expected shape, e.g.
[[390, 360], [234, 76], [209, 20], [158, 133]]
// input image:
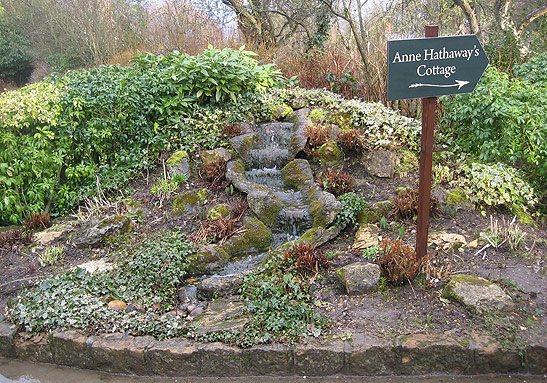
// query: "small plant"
[[214, 172], [515, 235], [402, 232], [351, 141], [51, 256], [406, 204], [502, 231], [383, 223], [167, 186], [371, 253], [398, 263], [337, 182], [38, 221], [306, 258], [317, 135], [352, 205]]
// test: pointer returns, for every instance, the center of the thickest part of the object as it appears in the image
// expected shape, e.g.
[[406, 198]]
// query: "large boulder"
[[188, 203], [96, 230], [380, 163], [207, 259], [254, 238], [477, 294], [330, 154], [359, 278], [220, 286]]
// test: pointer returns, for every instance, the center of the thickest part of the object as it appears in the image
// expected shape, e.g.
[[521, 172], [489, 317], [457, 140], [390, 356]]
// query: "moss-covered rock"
[[219, 211], [297, 173], [96, 231], [324, 208], [456, 197], [409, 163], [209, 157], [522, 215], [178, 164], [330, 154], [243, 144], [254, 238], [341, 119], [188, 202], [207, 259], [374, 212], [318, 115], [176, 157], [477, 294], [264, 204], [281, 111], [132, 206]]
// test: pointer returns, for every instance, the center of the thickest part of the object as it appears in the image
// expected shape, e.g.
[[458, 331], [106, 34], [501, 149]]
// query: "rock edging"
[[362, 355]]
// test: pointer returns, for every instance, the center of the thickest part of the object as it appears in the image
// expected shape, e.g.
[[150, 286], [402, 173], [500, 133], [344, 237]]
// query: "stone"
[[35, 349], [220, 286], [298, 103], [330, 154], [222, 315], [371, 356], [447, 241], [96, 230], [281, 111], [373, 213], [189, 202], [118, 353], [271, 359], [243, 144], [209, 157], [366, 236], [69, 349], [297, 173], [319, 359], [340, 119], [380, 163], [49, 235], [195, 312], [477, 294], [135, 307], [7, 335], [188, 294], [317, 236], [173, 357], [264, 204], [490, 357], [178, 164], [218, 359], [132, 206], [97, 266], [359, 278], [433, 353], [254, 238], [117, 305], [301, 121], [206, 259], [536, 356]]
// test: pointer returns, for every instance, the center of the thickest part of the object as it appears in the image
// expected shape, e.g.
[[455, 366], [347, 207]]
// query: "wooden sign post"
[[427, 68]]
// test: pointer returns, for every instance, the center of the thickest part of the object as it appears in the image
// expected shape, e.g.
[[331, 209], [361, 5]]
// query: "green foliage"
[[352, 205], [496, 185], [371, 253], [62, 137], [146, 274], [14, 59], [503, 120], [51, 256]]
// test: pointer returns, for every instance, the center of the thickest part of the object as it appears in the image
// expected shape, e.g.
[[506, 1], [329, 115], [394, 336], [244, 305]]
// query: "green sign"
[[434, 66]]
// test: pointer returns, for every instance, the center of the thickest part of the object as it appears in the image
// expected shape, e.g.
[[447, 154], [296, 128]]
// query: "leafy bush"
[[14, 59], [146, 275], [503, 120], [62, 137], [496, 185], [352, 205]]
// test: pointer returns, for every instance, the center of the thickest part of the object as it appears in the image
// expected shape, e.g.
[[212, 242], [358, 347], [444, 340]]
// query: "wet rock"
[[254, 238], [371, 356], [173, 357], [301, 121], [188, 203], [491, 357], [264, 204], [69, 349], [35, 349], [359, 278], [7, 334], [319, 359], [330, 154], [366, 237], [380, 163], [117, 305], [220, 286], [477, 294], [324, 208], [188, 294], [178, 164], [222, 315], [207, 259], [209, 157], [96, 230], [243, 144]]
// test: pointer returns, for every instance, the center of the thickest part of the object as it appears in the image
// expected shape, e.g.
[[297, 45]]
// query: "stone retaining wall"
[[363, 355]]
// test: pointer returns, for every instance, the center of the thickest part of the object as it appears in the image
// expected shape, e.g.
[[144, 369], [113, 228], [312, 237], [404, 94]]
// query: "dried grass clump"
[[12, 238], [214, 172], [220, 229], [406, 204], [306, 258], [337, 182], [38, 221], [351, 141], [317, 135], [231, 130], [398, 262]]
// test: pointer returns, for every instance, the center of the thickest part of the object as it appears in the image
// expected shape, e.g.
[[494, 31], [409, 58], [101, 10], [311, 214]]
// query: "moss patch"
[[330, 154], [295, 175], [255, 237], [317, 115], [341, 119], [177, 157], [281, 111], [373, 213], [186, 202], [456, 197], [219, 211], [522, 215]]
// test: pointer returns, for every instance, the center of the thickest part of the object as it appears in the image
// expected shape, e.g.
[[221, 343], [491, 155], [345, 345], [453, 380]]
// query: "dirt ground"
[[394, 310]]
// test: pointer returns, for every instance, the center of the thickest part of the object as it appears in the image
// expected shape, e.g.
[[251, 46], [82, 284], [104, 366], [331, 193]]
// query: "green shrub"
[[14, 59], [496, 185], [62, 137], [352, 205], [503, 120]]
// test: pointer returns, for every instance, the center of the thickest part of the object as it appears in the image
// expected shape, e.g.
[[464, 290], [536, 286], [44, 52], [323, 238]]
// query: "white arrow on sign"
[[458, 83]]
